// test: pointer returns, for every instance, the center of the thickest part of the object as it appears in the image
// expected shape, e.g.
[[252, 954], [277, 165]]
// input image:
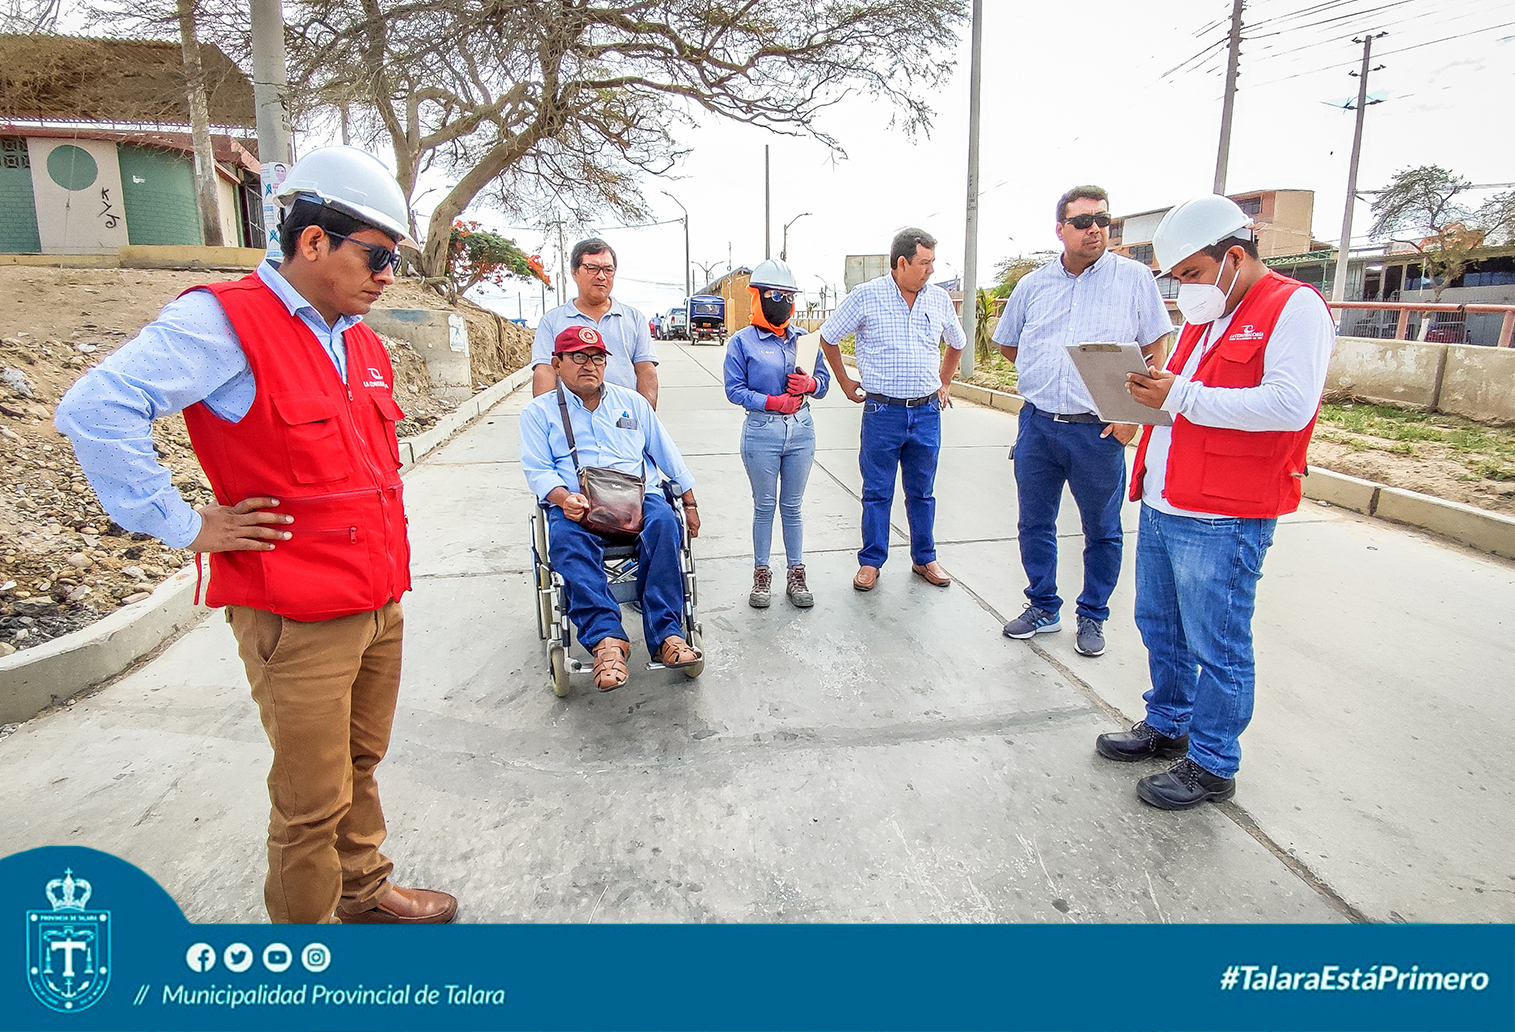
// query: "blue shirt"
[[758, 363], [627, 339], [1113, 301], [898, 346], [621, 433], [188, 354]]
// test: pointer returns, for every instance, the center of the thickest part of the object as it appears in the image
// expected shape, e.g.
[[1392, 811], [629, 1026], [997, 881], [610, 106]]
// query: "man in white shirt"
[[1243, 388], [1088, 294], [631, 360]]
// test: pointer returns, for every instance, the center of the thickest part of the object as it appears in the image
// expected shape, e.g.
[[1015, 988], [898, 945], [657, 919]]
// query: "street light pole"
[[1339, 286], [688, 269], [784, 251], [970, 253]]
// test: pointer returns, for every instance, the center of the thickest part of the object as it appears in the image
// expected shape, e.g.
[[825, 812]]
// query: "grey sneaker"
[[762, 588], [796, 589], [1091, 637], [1032, 621]]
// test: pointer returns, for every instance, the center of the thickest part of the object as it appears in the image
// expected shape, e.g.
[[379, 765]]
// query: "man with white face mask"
[[1243, 387]]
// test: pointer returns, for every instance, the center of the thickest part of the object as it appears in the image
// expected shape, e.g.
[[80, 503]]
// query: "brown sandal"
[[610, 663], [675, 653]]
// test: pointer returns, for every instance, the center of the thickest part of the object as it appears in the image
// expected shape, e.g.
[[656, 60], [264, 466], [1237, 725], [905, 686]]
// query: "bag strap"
[[568, 427]]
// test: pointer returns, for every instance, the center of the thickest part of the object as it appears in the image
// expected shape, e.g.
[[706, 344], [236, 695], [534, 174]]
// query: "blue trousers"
[[778, 452], [1196, 586], [1047, 456], [578, 555], [908, 440]]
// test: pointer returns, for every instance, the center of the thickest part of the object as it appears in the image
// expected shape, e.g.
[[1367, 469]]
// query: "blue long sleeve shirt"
[[188, 354], [758, 363], [622, 433]]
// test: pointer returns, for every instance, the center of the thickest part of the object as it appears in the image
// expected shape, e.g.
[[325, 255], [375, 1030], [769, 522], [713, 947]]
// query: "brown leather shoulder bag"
[[615, 498]]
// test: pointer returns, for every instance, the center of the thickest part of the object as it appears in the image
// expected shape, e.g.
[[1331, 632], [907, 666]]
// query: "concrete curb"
[[35, 678]]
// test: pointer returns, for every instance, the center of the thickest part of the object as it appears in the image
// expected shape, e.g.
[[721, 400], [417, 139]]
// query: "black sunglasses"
[[1100, 219], [379, 258]]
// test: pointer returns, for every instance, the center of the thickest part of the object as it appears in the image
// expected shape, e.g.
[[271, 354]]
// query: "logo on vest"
[[1247, 332], [68, 948], [377, 379]]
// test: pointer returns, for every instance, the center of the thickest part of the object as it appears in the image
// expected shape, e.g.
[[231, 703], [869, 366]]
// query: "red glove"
[[784, 404], [799, 383]]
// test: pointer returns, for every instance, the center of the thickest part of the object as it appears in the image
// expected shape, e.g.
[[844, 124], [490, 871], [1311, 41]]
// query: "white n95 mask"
[[1202, 303]]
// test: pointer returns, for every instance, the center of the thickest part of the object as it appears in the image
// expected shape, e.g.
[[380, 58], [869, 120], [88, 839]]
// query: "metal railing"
[[1415, 320]]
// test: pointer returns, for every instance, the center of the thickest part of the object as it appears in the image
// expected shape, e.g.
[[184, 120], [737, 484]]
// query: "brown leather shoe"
[[867, 577], [407, 906], [932, 573]]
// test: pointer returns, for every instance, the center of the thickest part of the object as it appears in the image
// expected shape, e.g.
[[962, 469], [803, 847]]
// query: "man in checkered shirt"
[[900, 321]]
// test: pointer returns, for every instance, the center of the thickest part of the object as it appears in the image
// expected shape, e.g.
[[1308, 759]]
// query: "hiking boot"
[[798, 593], [1091, 637], [1032, 621], [1185, 786], [1142, 742], [762, 588]]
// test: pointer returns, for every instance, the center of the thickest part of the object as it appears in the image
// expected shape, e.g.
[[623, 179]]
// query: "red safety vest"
[[1247, 473], [324, 448]]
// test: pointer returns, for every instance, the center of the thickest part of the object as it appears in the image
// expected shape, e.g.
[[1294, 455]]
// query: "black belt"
[[1071, 417], [907, 402]]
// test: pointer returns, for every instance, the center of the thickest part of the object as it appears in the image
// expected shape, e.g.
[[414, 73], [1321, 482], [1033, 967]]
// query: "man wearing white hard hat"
[[289, 403], [1243, 387]]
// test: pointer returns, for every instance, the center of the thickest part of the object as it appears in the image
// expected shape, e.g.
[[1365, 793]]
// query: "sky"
[[1108, 95]]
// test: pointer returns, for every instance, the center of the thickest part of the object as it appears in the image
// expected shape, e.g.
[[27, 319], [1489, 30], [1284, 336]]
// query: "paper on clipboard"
[[806, 347], [1103, 368]]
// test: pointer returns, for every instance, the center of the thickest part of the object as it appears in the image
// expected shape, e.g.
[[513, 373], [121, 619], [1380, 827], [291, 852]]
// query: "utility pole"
[[767, 211], [206, 197], [970, 253], [562, 268], [1339, 286], [270, 82], [1223, 155]]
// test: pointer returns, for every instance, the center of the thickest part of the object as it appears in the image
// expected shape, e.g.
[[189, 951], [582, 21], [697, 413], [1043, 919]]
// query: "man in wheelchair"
[[613, 428]]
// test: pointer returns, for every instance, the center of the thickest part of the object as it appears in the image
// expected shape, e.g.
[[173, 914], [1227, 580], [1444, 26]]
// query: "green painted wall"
[[18, 209], [158, 190]]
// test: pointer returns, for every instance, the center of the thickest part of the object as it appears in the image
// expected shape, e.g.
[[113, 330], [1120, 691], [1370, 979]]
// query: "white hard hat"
[[1195, 225], [774, 273], [352, 181]]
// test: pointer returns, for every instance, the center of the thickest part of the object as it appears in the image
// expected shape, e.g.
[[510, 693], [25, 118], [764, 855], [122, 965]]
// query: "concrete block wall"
[[1479, 383], [442, 340], [1458, 379]]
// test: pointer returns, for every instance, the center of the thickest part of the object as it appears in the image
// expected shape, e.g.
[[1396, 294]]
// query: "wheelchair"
[[553, 625]]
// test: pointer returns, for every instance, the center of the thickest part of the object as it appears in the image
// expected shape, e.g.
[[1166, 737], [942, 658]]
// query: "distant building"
[[733, 288], [860, 268], [1282, 216]]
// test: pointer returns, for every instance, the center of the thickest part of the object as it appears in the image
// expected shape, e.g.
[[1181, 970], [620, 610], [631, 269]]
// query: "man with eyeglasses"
[[631, 360], [1089, 294], [289, 403]]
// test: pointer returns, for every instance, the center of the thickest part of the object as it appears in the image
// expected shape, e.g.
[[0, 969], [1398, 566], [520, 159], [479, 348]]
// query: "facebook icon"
[[200, 957]]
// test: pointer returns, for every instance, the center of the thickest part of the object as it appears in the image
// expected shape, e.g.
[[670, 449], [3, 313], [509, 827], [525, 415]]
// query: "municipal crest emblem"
[[68, 947]]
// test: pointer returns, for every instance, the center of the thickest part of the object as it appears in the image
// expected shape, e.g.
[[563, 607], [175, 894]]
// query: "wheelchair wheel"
[[559, 659], [697, 640]]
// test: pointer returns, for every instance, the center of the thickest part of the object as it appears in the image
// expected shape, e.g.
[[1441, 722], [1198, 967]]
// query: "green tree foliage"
[[476, 255], [1422, 203]]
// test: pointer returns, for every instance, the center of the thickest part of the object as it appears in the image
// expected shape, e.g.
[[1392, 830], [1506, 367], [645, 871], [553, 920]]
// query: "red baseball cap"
[[577, 338]]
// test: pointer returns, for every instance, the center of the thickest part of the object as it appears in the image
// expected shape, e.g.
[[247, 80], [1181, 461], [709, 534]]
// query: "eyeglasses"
[[1100, 219], [586, 357], [595, 270], [777, 295], [379, 258]]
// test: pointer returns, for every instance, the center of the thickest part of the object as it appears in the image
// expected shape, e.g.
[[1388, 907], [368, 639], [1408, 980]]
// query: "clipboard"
[[806, 347], [1103, 368]]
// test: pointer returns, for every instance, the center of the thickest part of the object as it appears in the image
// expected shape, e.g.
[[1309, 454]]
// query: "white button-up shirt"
[[1114, 301], [898, 346]]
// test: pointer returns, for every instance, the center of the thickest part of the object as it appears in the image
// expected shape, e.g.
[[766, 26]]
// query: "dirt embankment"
[[63, 563]]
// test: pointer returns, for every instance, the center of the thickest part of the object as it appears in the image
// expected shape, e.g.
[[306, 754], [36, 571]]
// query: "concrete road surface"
[[881, 757]]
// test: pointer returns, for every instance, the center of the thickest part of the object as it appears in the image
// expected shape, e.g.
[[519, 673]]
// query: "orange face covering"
[[760, 320]]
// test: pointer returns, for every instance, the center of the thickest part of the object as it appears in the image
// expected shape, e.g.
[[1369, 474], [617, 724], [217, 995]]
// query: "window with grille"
[[13, 153], [1143, 253], [1250, 205]]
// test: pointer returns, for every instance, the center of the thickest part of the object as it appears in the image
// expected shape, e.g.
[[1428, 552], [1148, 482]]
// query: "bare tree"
[[1423, 203], [560, 105], [1497, 217]]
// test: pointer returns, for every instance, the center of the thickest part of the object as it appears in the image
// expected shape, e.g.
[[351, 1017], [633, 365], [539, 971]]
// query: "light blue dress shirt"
[[188, 354], [898, 346], [621, 433], [1114, 301], [628, 339], [758, 363]]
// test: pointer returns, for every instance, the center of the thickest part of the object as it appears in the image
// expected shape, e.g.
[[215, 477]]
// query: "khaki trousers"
[[326, 693]]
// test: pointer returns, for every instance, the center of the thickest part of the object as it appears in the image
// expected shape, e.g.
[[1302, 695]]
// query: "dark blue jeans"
[[906, 439], [1196, 586], [1047, 456], [578, 555]]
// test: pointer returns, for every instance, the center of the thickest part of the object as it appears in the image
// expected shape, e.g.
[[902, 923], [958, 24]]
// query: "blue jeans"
[[906, 439], [578, 555], [1048, 455], [1196, 586], [778, 452]]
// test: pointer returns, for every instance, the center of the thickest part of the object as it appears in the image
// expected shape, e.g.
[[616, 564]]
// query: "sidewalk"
[[881, 757]]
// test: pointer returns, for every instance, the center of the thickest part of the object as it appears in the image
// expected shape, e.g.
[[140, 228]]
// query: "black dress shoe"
[[1141, 743], [1185, 786]]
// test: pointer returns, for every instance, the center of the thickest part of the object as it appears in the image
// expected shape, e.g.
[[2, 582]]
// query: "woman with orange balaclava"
[[778, 436]]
